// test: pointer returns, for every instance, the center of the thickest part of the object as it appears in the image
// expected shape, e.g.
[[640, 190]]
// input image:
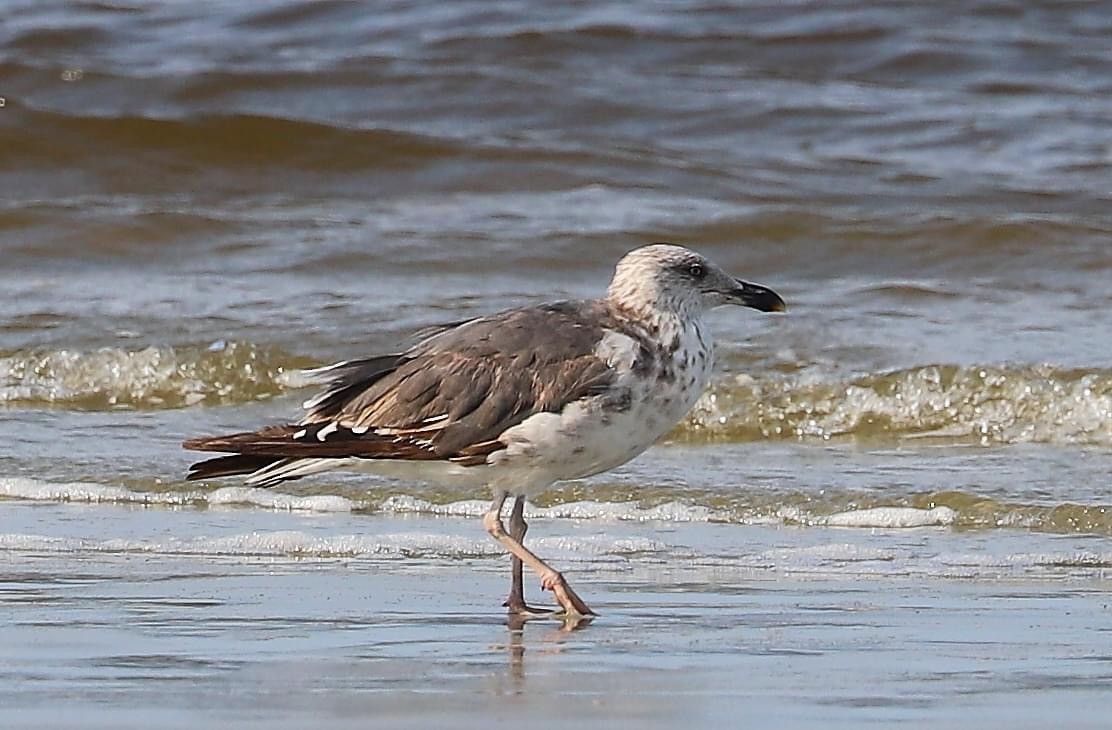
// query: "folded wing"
[[449, 397]]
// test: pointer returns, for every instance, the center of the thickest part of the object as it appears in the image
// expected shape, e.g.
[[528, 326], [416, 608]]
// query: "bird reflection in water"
[[550, 640]]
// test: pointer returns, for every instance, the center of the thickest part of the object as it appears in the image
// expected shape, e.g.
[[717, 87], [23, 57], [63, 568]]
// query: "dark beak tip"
[[762, 298], [773, 306]]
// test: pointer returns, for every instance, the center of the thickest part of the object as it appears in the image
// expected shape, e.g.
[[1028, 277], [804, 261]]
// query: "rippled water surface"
[[199, 200]]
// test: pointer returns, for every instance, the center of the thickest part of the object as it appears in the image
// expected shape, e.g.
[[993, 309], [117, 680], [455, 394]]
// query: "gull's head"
[[673, 278]]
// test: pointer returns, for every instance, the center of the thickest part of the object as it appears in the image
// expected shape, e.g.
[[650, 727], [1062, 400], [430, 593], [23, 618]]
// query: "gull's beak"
[[758, 297]]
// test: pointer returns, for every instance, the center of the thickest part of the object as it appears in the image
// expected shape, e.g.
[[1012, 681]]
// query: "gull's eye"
[[697, 271]]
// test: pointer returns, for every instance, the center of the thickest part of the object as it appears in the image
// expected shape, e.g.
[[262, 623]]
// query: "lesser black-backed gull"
[[514, 401]]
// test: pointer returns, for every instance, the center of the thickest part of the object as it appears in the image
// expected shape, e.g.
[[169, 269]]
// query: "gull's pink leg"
[[551, 579]]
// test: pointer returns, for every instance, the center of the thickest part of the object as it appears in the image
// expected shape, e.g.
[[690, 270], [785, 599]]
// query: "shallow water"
[[198, 201]]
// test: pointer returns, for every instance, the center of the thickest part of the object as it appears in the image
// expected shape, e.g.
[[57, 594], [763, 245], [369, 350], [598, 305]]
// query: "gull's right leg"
[[516, 602], [551, 580]]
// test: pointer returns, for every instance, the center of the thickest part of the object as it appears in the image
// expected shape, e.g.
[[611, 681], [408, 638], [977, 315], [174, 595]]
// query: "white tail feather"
[[280, 471]]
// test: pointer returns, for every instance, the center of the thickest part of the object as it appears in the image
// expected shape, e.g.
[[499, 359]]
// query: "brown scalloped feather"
[[279, 442]]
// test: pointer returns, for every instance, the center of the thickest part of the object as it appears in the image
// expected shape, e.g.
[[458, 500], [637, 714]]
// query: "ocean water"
[[199, 200]]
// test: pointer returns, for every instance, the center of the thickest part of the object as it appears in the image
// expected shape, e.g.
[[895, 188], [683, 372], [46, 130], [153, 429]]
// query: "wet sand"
[[750, 627]]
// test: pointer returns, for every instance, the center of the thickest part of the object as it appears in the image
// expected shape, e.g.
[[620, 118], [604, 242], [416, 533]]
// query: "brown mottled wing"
[[346, 380], [450, 396], [466, 386]]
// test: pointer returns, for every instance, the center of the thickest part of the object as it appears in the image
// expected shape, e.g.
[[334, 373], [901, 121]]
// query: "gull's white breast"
[[598, 433]]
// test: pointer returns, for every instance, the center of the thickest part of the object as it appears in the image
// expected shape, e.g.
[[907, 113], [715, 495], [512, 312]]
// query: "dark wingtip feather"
[[227, 466]]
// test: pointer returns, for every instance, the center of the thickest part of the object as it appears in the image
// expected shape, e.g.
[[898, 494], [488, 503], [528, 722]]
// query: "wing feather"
[[450, 396]]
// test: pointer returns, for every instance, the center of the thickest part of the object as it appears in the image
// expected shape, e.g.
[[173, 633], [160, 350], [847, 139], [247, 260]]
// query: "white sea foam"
[[829, 553], [1078, 559], [893, 517], [34, 489], [582, 510], [279, 501], [672, 512], [875, 517], [276, 543], [294, 543]]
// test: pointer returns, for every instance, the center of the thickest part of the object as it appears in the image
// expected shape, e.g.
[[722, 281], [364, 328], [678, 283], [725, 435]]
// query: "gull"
[[514, 401]]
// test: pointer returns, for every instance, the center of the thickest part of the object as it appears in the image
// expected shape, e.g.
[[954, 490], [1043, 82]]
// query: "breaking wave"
[[989, 405], [152, 377], [976, 404]]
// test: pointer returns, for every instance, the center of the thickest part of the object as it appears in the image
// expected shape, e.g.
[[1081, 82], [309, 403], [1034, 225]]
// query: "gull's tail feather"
[[228, 466], [280, 453], [262, 471], [285, 470]]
